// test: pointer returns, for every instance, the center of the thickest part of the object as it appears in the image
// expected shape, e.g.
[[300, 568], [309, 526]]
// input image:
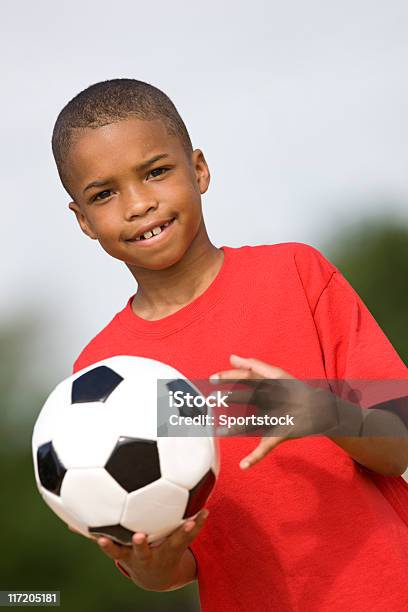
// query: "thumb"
[[259, 367], [263, 448]]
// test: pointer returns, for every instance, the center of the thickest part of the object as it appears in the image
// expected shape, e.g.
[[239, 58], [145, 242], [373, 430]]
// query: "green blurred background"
[[38, 551]]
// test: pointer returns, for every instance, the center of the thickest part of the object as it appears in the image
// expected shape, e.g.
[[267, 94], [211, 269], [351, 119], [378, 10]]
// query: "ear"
[[201, 169], [83, 223]]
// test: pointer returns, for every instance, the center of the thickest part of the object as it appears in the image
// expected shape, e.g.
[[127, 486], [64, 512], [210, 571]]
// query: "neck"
[[163, 292]]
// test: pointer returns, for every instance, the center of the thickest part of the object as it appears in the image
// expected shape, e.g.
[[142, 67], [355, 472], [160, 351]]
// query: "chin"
[[161, 261]]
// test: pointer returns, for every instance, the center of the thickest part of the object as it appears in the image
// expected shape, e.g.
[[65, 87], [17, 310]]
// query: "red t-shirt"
[[306, 529]]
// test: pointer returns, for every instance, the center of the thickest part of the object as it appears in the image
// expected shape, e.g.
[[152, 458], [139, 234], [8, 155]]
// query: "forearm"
[[382, 445]]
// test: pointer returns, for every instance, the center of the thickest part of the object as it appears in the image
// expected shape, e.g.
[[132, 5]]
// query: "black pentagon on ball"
[[199, 494], [179, 384], [50, 469], [134, 463], [95, 385], [115, 532]]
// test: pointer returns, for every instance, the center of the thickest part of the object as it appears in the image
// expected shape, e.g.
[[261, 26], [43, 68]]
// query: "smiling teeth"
[[153, 232]]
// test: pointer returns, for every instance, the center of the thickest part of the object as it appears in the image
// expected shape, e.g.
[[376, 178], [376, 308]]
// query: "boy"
[[306, 528]]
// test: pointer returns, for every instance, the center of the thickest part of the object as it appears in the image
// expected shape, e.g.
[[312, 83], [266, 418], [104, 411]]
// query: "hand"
[[275, 393], [155, 567]]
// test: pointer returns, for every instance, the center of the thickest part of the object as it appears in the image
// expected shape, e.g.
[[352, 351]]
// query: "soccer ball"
[[99, 463]]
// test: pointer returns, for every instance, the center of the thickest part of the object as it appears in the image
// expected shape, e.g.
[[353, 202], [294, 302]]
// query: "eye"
[[161, 171], [102, 195]]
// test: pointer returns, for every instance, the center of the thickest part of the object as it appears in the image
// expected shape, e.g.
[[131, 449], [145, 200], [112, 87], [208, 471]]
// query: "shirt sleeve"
[[122, 569], [360, 362], [355, 350]]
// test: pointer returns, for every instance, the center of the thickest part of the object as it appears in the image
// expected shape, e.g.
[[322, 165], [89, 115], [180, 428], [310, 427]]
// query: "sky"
[[299, 107]]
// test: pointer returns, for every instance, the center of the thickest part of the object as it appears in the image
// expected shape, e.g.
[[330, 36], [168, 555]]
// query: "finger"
[[233, 376], [114, 551], [267, 395], [141, 548], [240, 397], [199, 522], [178, 538], [263, 448], [156, 543], [259, 367], [186, 533]]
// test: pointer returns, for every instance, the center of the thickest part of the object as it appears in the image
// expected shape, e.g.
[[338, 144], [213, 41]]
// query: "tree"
[[373, 257]]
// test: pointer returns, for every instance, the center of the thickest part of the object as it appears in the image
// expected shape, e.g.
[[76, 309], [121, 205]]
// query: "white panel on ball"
[[55, 503], [93, 428], [157, 507], [183, 461], [48, 418], [134, 404], [93, 495]]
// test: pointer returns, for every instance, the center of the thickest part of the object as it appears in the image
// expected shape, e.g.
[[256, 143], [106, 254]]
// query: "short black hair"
[[108, 102]]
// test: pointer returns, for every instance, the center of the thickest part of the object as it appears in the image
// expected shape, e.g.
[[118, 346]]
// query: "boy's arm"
[[372, 436], [387, 454]]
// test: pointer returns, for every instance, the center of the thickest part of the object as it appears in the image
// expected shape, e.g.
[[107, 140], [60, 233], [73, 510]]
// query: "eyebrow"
[[141, 166]]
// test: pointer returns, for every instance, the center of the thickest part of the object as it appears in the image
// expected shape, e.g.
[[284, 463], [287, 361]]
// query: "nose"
[[137, 203]]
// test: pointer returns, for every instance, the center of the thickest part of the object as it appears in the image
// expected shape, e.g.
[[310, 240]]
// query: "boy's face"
[[135, 192]]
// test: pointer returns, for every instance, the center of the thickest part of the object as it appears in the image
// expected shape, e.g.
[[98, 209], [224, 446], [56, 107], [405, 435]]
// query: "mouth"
[[152, 236]]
